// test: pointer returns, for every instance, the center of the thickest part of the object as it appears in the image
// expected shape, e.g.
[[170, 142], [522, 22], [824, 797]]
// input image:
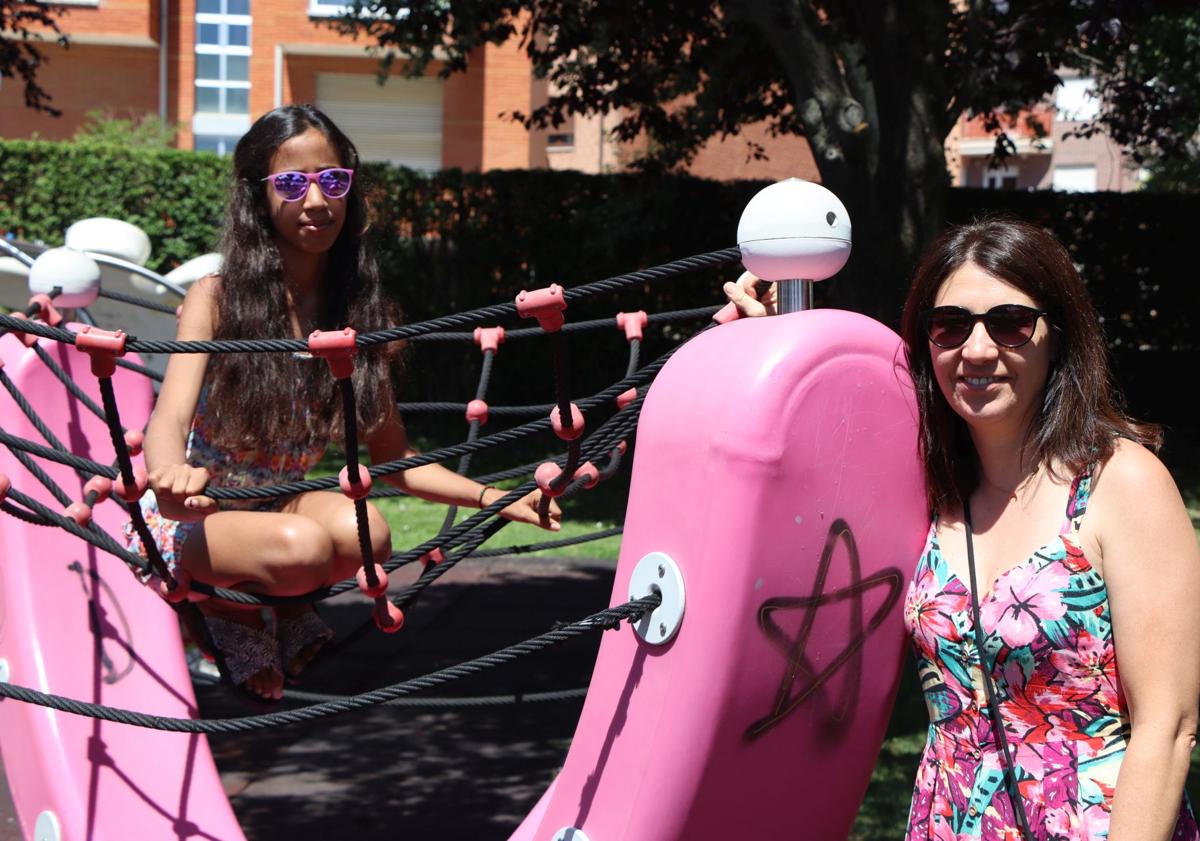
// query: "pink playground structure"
[[75, 622], [776, 507], [776, 470]]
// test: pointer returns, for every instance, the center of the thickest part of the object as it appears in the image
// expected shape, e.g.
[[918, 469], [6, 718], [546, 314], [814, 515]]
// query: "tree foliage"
[[21, 22], [874, 85]]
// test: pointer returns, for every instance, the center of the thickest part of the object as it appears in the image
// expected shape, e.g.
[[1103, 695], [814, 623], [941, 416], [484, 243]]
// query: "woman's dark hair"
[[1079, 419], [251, 395]]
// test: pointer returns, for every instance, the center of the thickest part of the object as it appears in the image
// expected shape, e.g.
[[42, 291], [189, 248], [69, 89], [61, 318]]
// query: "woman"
[[1087, 565]]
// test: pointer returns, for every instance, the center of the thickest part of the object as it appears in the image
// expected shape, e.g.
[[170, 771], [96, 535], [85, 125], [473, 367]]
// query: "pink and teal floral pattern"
[[1049, 644], [274, 463]]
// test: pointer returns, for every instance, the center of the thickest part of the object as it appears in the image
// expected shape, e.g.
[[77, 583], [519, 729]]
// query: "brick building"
[[212, 66], [1046, 158]]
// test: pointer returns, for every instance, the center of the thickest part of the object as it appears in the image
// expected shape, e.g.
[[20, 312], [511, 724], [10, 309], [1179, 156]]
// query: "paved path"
[[446, 774]]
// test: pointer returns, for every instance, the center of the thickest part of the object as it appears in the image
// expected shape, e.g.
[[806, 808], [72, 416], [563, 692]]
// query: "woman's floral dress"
[[1049, 644], [275, 462]]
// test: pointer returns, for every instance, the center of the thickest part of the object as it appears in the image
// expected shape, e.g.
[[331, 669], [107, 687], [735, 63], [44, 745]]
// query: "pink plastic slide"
[[777, 471], [74, 621]]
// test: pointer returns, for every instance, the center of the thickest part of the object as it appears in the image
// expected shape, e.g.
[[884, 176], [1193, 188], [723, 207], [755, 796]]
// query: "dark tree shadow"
[[452, 773]]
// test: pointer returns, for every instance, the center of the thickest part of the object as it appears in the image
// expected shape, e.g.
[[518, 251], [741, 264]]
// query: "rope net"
[[591, 456]]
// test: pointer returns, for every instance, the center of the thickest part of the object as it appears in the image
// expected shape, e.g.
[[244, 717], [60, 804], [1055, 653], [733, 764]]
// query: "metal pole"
[[795, 295]]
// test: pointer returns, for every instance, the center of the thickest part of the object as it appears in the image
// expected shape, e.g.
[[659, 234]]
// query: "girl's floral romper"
[[1049, 644]]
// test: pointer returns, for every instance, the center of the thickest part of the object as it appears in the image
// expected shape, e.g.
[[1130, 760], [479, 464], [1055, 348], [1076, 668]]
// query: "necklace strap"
[[989, 688]]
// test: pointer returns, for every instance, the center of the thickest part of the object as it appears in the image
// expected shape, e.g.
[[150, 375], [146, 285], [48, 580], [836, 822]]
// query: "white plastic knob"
[[111, 237], [73, 271], [794, 230], [194, 269]]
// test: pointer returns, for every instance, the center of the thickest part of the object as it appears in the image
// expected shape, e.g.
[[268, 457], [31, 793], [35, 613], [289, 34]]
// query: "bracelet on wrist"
[[482, 491]]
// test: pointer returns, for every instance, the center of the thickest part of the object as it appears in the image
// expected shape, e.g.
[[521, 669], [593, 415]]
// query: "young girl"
[[294, 260]]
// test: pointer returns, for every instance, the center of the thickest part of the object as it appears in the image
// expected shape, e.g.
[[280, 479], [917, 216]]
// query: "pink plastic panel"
[[74, 621], [777, 466]]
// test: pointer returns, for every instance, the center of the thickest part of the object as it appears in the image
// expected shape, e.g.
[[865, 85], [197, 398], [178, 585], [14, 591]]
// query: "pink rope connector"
[[590, 471], [546, 305], [47, 312], [27, 339], [433, 557], [103, 346], [489, 338], [477, 410], [560, 428], [134, 440], [80, 512], [388, 617], [626, 397], [182, 589], [101, 486], [337, 348], [632, 323], [364, 582], [545, 476], [355, 490], [140, 483]]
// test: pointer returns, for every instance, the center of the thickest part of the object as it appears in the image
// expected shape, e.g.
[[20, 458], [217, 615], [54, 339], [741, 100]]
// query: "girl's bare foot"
[[302, 634], [250, 653]]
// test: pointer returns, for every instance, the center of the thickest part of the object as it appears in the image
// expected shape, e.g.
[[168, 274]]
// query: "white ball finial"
[[111, 237], [794, 230], [73, 271]]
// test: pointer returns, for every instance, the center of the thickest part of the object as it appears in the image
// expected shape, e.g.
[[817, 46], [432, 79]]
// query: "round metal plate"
[[570, 833], [46, 828], [657, 573]]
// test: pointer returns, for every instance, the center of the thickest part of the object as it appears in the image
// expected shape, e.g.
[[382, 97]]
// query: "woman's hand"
[[177, 488], [745, 297], [527, 509]]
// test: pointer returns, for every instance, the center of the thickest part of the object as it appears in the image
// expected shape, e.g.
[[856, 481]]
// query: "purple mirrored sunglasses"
[[293, 186]]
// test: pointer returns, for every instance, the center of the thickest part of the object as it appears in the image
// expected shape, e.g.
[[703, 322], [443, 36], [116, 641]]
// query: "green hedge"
[[177, 198], [457, 240]]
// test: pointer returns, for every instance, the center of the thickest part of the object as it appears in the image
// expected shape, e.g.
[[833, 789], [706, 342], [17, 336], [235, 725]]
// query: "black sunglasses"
[[1009, 325]]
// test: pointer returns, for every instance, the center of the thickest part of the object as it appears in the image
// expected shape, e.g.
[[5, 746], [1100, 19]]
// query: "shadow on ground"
[[420, 773]]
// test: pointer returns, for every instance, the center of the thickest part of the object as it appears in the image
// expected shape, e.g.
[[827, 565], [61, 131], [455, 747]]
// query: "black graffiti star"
[[797, 664]]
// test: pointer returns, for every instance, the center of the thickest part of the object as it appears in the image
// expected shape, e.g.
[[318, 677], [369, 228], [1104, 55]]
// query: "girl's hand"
[[744, 296], [177, 488], [527, 509]]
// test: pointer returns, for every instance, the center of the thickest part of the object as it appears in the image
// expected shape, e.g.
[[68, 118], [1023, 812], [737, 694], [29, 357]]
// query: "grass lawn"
[[414, 521]]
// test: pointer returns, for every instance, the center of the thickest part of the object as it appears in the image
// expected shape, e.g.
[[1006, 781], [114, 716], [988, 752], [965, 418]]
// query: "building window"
[[1000, 178], [1075, 100], [562, 140], [221, 144], [222, 112], [327, 9], [341, 8], [1075, 179]]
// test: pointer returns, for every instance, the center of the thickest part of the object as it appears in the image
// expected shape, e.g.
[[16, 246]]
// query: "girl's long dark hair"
[[272, 397], [1080, 417]]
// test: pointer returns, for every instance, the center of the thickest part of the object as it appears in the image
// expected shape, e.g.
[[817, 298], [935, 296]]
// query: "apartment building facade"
[[1046, 156], [211, 66]]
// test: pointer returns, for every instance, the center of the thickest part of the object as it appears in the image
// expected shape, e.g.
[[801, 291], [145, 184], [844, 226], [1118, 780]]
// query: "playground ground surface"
[[462, 773]]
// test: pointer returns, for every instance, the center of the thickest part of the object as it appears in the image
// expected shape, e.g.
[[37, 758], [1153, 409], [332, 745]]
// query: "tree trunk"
[[870, 89]]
